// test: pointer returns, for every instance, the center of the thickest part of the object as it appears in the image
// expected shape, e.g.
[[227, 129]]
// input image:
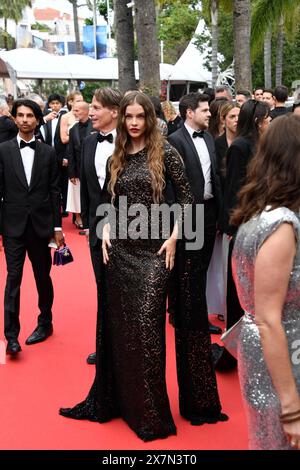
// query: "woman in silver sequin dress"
[[266, 267]]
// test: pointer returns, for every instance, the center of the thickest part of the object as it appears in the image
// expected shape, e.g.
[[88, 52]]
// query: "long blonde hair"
[[154, 144]]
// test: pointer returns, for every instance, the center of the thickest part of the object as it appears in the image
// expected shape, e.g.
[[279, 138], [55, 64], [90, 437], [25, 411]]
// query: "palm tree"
[[213, 7], [242, 35], [274, 15], [125, 44], [12, 10], [148, 51], [76, 26]]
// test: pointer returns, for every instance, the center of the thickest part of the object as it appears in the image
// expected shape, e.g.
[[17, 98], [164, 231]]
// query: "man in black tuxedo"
[[199, 400], [51, 131], [196, 146], [96, 150], [77, 134], [30, 212]]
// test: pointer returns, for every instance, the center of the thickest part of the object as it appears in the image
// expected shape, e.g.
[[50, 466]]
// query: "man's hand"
[[50, 116], [65, 162], [59, 238]]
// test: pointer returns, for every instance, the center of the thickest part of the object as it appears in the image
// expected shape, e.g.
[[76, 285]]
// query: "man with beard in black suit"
[[30, 216], [198, 394], [197, 148]]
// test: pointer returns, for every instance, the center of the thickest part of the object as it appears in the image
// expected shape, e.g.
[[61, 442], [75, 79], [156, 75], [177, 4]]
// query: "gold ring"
[[293, 444]]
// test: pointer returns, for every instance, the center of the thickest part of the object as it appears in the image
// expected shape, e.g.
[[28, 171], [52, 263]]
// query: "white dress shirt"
[[103, 151], [27, 155], [54, 123], [205, 162]]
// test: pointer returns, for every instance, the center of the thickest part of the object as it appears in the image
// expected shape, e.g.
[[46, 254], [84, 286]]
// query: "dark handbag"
[[62, 256]]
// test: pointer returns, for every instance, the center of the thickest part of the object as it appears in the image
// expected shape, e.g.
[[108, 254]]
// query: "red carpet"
[[52, 374]]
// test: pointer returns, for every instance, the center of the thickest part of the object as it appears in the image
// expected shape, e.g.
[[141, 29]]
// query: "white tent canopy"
[[27, 63], [190, 65]]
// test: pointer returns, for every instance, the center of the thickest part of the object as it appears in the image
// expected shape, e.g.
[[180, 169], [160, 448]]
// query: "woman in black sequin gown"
[[130, 369]]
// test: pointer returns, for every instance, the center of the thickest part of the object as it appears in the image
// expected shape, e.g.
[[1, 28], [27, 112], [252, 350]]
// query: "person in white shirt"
[[97, 148]]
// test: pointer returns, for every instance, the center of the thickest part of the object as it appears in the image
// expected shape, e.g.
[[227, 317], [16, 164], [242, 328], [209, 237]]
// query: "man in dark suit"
[[198, 393], [196, 146], [77, 134], [97, 148], [51, 132], [8, 129], [30, 212]]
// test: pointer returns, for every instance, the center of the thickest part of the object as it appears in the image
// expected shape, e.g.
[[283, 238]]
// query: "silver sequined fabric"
[[260, 398]]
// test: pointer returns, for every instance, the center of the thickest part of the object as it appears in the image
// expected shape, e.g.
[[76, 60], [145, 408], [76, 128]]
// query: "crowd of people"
[[219, 154]]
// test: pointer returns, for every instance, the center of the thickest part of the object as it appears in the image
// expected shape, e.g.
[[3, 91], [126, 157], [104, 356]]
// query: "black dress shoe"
[[40, 334], [65, 214], [198, 421], [13, 347], [91, 359], [214, 330]]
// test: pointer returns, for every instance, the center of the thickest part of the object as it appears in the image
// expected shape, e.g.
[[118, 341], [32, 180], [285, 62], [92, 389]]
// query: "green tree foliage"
[[40, 27], [50, 86], [176, 22], [13, 9], [291, 54]]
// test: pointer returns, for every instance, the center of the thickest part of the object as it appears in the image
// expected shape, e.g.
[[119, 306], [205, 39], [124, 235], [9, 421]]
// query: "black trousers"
[[40, 258], [234, 309], [98, 267], [203, 258]]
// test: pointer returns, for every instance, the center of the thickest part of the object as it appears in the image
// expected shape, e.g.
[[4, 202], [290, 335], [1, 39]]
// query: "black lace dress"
[[130, 369]]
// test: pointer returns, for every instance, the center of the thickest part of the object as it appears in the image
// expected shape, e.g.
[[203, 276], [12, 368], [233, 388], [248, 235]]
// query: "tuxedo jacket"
[[8, 129], [74, 149], [59, 147], [91, 194], [40, 200], [183, 142]]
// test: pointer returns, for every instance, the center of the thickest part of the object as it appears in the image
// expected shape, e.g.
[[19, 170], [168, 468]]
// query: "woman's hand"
[[169, 247], [292, 431], [105, 243]]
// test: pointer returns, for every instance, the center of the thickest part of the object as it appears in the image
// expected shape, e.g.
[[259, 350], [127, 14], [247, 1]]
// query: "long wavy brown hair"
[[274, 173], [154, 144]]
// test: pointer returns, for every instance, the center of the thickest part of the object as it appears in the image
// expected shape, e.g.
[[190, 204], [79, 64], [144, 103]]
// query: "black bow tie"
[[108, 137], [198, 134], [32, 144]]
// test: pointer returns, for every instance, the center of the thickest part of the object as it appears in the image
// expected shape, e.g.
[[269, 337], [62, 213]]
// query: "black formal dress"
[[131, 352]]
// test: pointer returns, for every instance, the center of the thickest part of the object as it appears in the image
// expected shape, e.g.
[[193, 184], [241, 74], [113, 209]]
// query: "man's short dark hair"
[[191, 101], [281, 93], [245, 93], [56, 97], [269, 90], [29, 104]]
